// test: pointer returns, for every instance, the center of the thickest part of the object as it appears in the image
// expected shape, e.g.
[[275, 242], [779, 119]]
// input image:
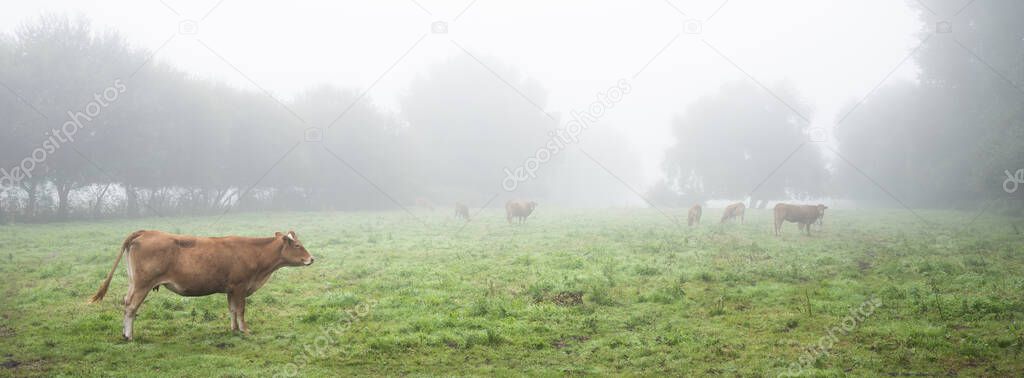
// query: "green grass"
[[609, 292]]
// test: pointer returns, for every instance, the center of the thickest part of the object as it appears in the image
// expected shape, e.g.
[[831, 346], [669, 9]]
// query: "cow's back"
[[796, 213], [733, 210], [190, 265], [515, 208], [154, 252]]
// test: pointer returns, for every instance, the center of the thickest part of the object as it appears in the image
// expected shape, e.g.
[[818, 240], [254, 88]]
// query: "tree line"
[[94, 127], [946, 139]]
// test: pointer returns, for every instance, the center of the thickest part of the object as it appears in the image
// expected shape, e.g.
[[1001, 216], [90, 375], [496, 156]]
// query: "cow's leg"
[[137, 294], [233, 309], [241, 314], [236, 303], [131, 276], [128, 295]]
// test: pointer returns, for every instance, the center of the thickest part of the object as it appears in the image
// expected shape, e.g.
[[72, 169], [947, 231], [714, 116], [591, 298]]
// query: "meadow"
[[571, 292]]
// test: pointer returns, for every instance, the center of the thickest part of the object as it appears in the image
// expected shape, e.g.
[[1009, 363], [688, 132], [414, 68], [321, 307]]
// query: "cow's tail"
[[106, 283]]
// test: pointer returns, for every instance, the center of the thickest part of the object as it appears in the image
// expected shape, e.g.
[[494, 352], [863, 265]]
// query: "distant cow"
[[737, 209], [196, 266], [519, 210], [803, 215], [461, 211], [694, 215], [424, 203]]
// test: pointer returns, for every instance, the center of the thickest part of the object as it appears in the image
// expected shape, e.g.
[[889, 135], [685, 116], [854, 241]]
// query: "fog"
[[365, 106]]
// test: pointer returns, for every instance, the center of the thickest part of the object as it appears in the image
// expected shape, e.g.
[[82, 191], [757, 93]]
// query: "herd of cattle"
[[194, 266], [803, 215]]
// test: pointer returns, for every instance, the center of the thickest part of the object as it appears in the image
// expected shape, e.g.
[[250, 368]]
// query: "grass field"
[[602, 292]]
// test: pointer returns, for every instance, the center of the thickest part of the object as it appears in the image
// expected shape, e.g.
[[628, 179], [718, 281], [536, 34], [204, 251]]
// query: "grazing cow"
[[519, 210], [694, 216], [461, 211], [194, 266], [737, 209], [424, 203], [803, 215]]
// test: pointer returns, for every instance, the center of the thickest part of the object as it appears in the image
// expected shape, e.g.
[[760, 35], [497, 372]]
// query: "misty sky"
[[832, 52]]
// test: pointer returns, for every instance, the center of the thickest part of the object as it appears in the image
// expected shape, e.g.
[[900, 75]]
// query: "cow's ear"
[[291, 236], [278, 235]]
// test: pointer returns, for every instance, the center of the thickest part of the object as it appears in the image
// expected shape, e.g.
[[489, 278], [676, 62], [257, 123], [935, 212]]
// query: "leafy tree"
[[358, 164], [61, 66], [736, 144], [468, 126], [947, 138]]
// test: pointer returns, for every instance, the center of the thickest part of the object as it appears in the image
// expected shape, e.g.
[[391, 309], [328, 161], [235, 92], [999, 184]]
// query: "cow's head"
[[292, 251], [531, 205], [821, 210]]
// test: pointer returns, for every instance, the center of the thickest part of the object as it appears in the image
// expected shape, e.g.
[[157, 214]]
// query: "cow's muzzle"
[[310, 262]]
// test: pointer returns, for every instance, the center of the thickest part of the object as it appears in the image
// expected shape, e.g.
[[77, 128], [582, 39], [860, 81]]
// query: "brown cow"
[[461, 211], [803, 215], [196, 266], [519, 210], [694, 215], [737, 209]]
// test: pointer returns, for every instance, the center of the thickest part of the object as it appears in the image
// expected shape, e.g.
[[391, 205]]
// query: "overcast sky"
[[832, 52]]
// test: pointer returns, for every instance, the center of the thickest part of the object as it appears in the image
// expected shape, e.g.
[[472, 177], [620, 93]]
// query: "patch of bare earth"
[[568, 298]]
